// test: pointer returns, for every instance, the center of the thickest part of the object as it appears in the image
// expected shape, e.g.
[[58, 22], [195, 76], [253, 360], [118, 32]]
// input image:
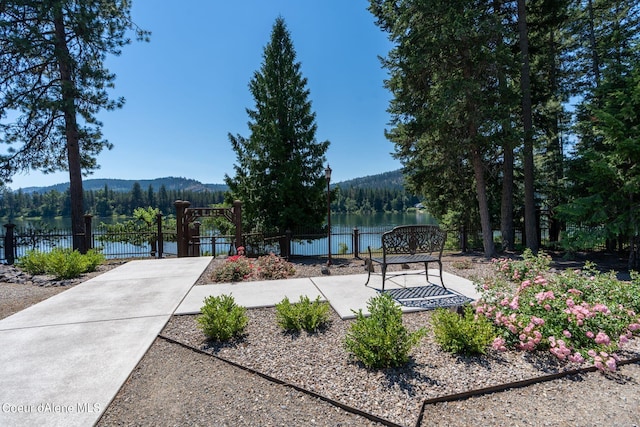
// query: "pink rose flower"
[[602, 338]]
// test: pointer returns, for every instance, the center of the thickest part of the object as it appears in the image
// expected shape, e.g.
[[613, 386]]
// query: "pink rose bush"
[[578, 316]]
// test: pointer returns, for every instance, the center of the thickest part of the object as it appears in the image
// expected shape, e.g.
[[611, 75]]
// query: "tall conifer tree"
[[279, 175], [53, 77]]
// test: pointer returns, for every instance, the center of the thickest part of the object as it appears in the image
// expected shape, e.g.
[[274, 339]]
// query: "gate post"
[[356, 242], [287, 244], [194, 239], [237, 221], [181, 235], [9, 247], [88, 232], [160, 236]]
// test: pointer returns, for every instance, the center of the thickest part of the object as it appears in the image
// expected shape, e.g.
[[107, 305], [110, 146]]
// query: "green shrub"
[[342, 248], [33, 262], [305, 314], [64, 264], [235, 269], [92, 259], [60, 263], [466, 334], [381, 340], [222, 318], [274, 267]]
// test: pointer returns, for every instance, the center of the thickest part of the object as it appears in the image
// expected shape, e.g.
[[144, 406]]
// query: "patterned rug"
[[428, 297]]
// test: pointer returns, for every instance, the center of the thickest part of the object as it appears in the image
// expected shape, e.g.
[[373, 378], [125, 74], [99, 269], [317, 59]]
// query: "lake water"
[[338, 221], [370, 227]]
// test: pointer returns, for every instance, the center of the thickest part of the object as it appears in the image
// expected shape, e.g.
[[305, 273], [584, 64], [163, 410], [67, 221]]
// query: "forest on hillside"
[[107, 202]]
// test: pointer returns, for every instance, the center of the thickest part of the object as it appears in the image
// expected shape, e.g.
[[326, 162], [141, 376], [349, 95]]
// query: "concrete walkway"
[[346, 294], [63, 360]]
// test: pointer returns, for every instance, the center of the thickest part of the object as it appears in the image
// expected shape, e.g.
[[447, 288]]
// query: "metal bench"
[[409, 244]]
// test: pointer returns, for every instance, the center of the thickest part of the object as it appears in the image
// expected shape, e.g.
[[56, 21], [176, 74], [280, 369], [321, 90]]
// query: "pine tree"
[[54, 79], [447, 104], [279, 175]]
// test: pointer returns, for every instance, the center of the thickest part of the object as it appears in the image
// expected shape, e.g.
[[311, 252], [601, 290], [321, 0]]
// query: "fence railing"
[[345, 241], [159, 242]]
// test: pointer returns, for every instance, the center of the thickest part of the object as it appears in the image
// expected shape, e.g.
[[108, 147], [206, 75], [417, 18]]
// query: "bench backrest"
[[412, 239]]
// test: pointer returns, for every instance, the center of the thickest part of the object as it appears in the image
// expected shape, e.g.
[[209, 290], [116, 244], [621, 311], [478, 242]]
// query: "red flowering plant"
[[235, 269], [238, 268], [577, 315]]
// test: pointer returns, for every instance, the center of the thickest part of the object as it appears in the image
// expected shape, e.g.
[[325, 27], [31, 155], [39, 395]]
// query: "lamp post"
[[327, 175]]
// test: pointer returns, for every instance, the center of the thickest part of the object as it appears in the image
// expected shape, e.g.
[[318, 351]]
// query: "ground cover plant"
[[577, 315], [221, 318], [381, 340], [61, 263], [305, 314]]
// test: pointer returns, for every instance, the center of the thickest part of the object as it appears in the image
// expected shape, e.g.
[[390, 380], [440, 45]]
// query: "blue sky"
[[188, 88]]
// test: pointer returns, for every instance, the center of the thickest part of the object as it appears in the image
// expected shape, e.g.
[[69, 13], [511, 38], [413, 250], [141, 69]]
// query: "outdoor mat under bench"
[[428, 297]]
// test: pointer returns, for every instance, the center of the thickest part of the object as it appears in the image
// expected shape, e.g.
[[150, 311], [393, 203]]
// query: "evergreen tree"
[[279, 175], [136, 199], [52, 56], [448, 106]]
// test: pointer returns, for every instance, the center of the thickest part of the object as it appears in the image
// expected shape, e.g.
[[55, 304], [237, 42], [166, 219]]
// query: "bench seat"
[[409, 244]]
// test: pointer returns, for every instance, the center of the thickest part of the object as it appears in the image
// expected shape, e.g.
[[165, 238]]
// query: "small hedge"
[[221, 318], [304, 314], [381, 340], [465, 334], [60, 263]]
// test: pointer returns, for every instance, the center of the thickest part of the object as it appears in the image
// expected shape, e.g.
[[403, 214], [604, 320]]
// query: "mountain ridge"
[[391, 180]]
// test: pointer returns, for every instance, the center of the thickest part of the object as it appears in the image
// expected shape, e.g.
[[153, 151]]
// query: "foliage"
[[60, 263], [576, 315], [467, 334], [221, 318], [582, 239], [381, 340], [603, 168], [33, 262], [343, 248], [138, 231], [279, 172], [235, 269], [305, 314], [238, 268], [55, 82], [110, 201], [448, 105], [273, 267]]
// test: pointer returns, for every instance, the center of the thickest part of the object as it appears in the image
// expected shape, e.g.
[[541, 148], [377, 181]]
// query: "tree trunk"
[[483, 204], [633, 231], [557, 152], [525, 84], [506, 207], [71, 132], [595, 59]]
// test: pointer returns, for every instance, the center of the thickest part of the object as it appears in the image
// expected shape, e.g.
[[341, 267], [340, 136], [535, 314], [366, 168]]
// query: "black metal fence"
[[154, 242], [157, 241]]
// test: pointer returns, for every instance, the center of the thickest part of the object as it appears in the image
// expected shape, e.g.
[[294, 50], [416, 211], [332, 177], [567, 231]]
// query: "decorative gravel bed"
[[319, 363], [173, 385]]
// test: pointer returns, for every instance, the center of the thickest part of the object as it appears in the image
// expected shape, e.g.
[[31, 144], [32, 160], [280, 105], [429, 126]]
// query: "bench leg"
[[384, 273], [441, 280], [426, 270], [369, 268]]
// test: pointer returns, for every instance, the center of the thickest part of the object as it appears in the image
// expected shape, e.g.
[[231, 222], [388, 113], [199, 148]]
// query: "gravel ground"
[[175, 385]]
